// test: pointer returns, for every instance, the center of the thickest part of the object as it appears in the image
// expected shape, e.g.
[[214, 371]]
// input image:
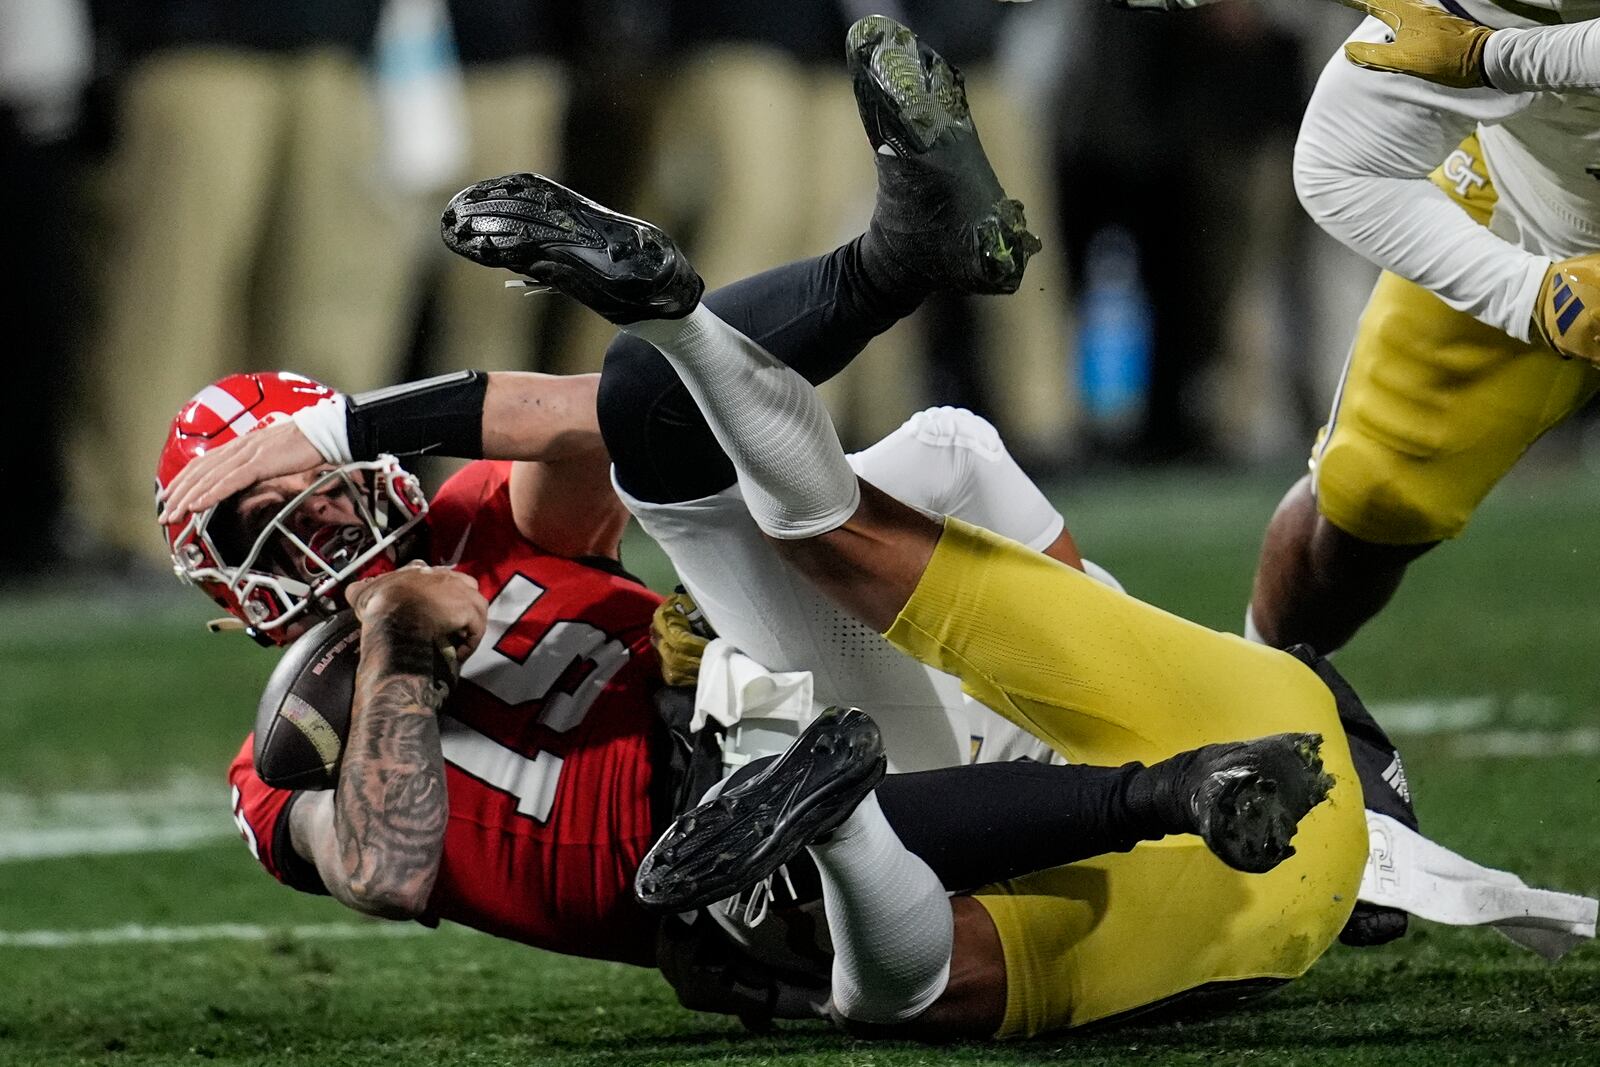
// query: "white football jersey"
[[1545, 158], [1369, 139]]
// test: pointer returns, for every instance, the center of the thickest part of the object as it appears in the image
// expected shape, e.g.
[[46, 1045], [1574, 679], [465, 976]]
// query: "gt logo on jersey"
[[1458, 169]]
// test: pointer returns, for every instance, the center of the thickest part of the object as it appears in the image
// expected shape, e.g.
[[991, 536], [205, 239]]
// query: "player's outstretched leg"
[[1317, 585], [765, 416], [622, 268], [888, 917], [1245, 799], [941, 212]]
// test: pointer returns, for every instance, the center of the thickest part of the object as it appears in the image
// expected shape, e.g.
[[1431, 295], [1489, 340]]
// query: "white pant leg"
[[943, 461], [776, 617]]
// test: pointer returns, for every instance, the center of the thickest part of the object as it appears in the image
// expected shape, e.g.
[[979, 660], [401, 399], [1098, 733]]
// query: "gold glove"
[[676, 632], [1428, 43], [1565, 315]]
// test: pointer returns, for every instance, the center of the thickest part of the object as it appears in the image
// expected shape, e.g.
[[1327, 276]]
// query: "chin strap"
[[1407, 871]]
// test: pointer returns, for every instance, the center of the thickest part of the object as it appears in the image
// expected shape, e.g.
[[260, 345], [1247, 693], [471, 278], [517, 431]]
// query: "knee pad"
[[946, 426], [635, 376]]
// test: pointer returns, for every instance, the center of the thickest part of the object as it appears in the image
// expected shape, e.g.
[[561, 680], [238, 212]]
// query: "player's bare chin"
[[974, 1003]]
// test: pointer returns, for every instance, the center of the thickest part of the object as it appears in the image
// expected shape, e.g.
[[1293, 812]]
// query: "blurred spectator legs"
[[515, 110], [1025, 354], [39, 268], [737, 158], [186, 193], [337, 268], [248, 227]]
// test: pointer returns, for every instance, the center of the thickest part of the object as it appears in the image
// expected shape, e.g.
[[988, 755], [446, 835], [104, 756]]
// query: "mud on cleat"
[[622, 268], [753, 827], [941, 211], [1248, 797]]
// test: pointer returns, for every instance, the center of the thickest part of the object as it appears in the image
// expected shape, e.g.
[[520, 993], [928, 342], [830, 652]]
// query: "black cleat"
[[1371, 925], [941, 212], [1248, 797], [619, 267], [738, 838]]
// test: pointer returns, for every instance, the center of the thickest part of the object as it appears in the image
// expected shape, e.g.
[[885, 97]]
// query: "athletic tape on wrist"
[[323, 423]]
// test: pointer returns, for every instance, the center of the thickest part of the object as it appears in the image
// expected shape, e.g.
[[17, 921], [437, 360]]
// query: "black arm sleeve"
[[442, 415]]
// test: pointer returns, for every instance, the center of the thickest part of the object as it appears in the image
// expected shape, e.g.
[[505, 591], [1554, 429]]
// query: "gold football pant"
[[1106, 679], [1435, 406]]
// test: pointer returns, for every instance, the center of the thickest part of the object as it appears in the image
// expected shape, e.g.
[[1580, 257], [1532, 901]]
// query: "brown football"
[[304, 715]]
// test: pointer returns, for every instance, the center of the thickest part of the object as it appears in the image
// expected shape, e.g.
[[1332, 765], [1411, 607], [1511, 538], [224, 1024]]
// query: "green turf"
[[102, 698]]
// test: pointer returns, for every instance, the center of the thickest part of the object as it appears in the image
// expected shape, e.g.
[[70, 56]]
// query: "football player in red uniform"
[[546, 757]]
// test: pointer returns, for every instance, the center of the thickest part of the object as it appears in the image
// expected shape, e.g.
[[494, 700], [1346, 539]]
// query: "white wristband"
[[324, 425]]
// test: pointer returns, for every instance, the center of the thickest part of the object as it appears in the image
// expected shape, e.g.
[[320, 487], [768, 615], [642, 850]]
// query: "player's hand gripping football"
[[440, 604], [1428, 43], [1566, 314], [677, 632], [215, 475]]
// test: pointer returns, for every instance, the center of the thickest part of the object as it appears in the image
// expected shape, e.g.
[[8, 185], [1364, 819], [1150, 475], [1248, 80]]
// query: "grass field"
[[136, 929]]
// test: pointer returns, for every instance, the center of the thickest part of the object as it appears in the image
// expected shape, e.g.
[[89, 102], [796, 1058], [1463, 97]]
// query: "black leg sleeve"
[[992, 821], [815, 315], [987, 822]]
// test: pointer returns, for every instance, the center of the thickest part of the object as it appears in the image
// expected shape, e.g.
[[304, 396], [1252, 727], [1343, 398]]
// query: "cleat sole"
[[622, 267], [741, 836], [1252, 811], [921, 93]]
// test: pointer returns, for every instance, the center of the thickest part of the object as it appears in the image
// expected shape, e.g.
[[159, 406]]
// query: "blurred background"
[[198, 187], [205, 186]]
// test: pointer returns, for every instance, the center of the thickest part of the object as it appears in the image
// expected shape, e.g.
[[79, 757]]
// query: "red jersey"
[[547, 739]]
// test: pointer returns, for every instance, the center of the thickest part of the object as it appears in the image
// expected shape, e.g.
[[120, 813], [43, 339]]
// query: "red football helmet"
[[271, 577]]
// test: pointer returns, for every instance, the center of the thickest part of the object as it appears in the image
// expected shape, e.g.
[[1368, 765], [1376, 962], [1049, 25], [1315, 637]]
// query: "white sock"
[[1250, 631], [768, 420], [889, 919]]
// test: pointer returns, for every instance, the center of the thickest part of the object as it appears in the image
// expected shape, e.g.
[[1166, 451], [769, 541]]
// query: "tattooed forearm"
[[391, 809]]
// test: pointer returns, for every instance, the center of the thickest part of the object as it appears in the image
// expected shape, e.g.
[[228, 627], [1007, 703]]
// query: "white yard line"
[[1528, 713], [1538, 744], [56, 842], [183, 813], [135, 934], [1410, 718]]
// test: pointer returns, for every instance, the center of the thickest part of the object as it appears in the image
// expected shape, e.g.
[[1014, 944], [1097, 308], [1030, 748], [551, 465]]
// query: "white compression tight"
[[888, 917], [768, 420]]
